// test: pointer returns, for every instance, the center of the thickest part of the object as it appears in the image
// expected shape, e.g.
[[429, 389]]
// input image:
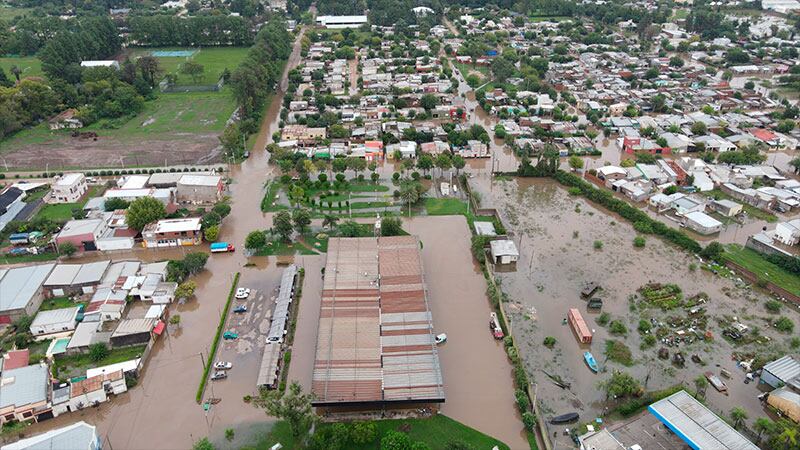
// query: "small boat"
[[587, 356], [565, 418], [214, 400]]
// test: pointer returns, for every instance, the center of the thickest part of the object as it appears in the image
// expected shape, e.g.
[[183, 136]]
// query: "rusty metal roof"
[[375, 340]]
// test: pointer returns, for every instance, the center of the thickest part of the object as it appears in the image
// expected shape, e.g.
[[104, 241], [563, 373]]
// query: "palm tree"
[[788, 437], [329, 221], [738, 415], [409, 194], [700, 385], [763, 425]]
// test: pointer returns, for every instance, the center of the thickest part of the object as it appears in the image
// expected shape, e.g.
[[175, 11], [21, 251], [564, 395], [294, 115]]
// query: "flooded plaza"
[[556, 235]]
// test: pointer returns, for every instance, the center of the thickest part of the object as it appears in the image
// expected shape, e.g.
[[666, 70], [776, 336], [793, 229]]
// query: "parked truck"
[[494, 326], [221, 247]]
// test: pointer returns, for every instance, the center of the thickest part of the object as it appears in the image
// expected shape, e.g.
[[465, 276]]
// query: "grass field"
[[445, 206], [214, 60], [437, 433], [9, 12], [59, 303], [752, 261], [192, 112], [60, 212], [29, 66]]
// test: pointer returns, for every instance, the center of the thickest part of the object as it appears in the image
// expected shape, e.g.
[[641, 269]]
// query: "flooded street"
[[166, 390], [555, 234]]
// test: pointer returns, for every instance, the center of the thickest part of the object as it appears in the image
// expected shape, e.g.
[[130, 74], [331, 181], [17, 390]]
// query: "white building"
[[78, 436], [341, 21], [109, 63], [788, 233], [69, 188], [702, 223], [504, 251], [780, 6], [54, 321]]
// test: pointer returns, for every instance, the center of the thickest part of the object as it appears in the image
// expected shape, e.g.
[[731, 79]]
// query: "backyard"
[[76, 365], [29, 66]]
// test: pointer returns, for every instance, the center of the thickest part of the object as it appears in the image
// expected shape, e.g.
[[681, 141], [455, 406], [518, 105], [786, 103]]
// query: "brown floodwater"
[[161, 412], [555, 234]]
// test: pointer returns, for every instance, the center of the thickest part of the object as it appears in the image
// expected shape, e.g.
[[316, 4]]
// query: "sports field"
[[214, 61], [29, 66]]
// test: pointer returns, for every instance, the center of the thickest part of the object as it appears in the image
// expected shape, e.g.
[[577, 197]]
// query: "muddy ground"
[[68, 152], [556, 233]]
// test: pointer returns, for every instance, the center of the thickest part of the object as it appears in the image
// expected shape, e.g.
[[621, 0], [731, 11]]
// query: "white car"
[[222, 365], [242, 293], [441, 338]]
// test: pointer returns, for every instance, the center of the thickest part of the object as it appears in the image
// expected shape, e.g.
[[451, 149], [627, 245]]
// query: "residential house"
[[54, 321], [24, 393], [75, 279], [66, 119], [196, 189], [504, 251], [133, 332], [788, 233], [83, 233], [702, 223], [78, 436], [726, 208], [172, 233], [21, 291], [68, 188], [107, 303]]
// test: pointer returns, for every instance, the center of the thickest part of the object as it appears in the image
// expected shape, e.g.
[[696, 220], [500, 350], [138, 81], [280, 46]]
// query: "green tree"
[[175, 319], [621, 384], [395, 440], [68, 249], [713, 251], [699, 129], [282, 224], [293, 406], [429, 101], [391, 226], [301, 219], [113, 204], [575, 162], [143, 211], [195, 262], [211, 233], [185, 290], [425, 162], [98, 351], [764, 425], [738, 415], [255, 240], [329, 221], [194, 70], [458, 163], [443, 162], [700, 386], [363, 433], [795, 163], [203, 444]]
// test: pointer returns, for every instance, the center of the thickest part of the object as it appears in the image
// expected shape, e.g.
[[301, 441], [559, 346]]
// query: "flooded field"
[[557, 236]]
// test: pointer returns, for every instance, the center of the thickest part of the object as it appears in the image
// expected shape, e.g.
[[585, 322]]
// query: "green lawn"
[[465, 69], [445, 207], [280, 248], [436, 432], [59, 212], [59, 303], [41, 257], [752, 260], [29, 66], [170, 117], [213, 60], [76, 365], [7, 12], [751, 211]]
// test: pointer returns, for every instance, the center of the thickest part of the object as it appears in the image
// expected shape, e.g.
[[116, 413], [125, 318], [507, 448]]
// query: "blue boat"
[[590, 361]]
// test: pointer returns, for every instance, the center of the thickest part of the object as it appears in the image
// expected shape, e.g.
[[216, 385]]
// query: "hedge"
[[215, 343], [642, 222]]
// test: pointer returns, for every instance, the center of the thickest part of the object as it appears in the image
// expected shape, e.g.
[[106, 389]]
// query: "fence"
[[768, 285], [167, 88]]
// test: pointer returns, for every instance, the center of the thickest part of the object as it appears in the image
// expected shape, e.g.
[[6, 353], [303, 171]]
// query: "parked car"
[[228, 335], [240, 309], [219, 375], [222, 365], [242, 293], [441, 338]]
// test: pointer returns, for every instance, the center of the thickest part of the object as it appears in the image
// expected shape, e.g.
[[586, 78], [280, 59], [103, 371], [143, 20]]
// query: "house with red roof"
[[14, 359]]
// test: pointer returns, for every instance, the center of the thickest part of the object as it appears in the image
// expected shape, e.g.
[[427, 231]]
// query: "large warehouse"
[[375, 341]]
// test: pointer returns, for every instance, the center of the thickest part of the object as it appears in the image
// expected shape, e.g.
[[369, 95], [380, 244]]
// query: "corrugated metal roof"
[[62, 275], [375, 339], [268, 372], [55, 316], [697, 425], [91, 272], [784, 369], [280, 314], [24, 386], [20, 284]]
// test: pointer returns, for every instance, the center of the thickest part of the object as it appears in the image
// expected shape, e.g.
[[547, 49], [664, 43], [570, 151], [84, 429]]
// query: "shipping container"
[[579, 326]]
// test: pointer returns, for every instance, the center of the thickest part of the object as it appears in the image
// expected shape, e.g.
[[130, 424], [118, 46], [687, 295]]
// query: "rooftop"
[[200, 180], [176, 225], [79, 435], [24, 386], [784, 369], [697, 425], [20, 284], [55, 316]]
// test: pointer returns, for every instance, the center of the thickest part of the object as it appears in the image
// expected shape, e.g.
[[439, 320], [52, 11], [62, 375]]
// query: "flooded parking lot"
[[556, 234]]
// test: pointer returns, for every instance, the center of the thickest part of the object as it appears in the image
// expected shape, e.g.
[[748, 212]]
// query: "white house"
[[69, 188], [54, 321], [702, 223], [504, 251], [109, 63], [788, 233]]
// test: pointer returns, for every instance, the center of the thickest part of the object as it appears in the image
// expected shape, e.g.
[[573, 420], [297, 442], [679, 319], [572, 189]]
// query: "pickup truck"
[[220, 247]]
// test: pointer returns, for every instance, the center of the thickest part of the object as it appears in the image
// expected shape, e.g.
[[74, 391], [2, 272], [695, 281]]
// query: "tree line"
[[87, 39], [164, 31]]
